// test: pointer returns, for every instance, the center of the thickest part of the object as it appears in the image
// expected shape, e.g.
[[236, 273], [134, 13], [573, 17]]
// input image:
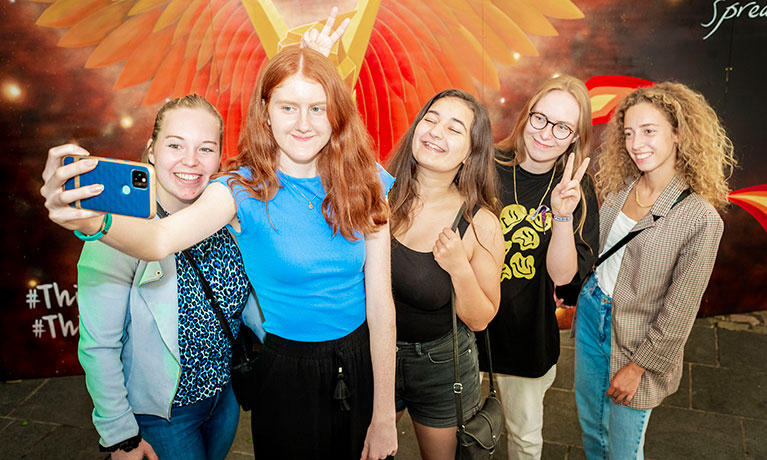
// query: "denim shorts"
[[425, 377]]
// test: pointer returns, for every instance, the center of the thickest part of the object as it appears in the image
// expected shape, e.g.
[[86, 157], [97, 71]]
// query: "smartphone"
[[129, 187]]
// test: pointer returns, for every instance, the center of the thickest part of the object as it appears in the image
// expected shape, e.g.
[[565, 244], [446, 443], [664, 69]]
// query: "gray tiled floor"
[[719, 412]]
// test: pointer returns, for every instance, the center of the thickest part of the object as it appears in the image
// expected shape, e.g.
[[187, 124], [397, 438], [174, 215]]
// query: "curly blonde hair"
[[704, 152]]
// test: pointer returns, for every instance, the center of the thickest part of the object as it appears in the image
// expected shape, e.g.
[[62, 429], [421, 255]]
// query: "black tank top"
[[421, 292]]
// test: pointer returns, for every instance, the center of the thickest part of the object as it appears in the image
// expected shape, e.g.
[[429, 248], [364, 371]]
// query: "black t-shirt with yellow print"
[[524, 334]]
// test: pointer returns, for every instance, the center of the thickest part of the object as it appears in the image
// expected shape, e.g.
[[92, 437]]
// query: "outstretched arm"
[[381, 439], [143, 239], [474, 266]]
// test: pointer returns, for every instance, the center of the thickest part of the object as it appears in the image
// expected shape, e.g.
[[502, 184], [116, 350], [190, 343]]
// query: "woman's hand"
[[567, 193], [624, 385], [323, 41], [144, 450], [57, 200], [449, 252], [381, 440]]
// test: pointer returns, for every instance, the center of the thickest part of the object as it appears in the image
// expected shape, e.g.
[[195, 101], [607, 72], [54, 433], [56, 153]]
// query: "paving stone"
[[69, 398], [12, 393], [553, 451], [744, 318], [239, 456], [67, 442], [243, 440], [701, 346], [675, 433], [408, 445], [564, 379], [682, 397], [729, 391], [576, 453], [755, 434], [5, 423], [560, 419], [742, 350], [730, 326], [20, 437], [565, 341]]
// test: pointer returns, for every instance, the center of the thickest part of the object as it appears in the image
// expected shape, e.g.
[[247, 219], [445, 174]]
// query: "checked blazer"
[[663, 275]]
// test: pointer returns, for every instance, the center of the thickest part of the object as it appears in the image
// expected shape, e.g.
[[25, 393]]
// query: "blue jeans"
[[201, 431], [610, 431]]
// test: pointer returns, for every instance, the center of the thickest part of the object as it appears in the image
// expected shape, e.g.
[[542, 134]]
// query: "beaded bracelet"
[[104, 229], [562, 218]]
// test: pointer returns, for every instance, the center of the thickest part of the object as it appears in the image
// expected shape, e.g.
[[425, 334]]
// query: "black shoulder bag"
[[244, 348], [480, 435]]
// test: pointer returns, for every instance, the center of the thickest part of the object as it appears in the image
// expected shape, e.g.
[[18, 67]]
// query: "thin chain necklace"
[[311, 206], [542, 208], [636, 197]]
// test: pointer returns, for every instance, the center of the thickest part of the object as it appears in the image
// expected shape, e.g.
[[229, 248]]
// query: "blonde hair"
[[512, 148], [704, 152], [190, 101]]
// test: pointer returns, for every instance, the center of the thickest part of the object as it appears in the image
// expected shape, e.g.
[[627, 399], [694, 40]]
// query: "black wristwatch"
[[127, 445]]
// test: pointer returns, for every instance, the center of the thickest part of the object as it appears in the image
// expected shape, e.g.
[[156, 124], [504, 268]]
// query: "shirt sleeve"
[[387, 180], [586, 241], [660, 349], [104, 280]]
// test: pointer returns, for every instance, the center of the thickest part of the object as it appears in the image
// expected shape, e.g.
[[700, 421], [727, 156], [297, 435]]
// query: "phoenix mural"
[[100, 68]]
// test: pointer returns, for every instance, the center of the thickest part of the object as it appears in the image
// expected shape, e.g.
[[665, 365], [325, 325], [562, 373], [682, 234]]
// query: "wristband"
[[105, 225], [126, 446], [562, 218]]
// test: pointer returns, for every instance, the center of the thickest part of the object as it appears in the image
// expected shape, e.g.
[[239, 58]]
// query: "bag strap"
[[457, 385], [211, 297], [624, 241]]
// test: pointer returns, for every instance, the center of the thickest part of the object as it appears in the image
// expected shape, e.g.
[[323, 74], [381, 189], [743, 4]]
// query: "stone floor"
[[719, 412]]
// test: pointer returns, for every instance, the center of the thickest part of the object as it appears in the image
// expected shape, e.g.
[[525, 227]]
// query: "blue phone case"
[[124, 191]]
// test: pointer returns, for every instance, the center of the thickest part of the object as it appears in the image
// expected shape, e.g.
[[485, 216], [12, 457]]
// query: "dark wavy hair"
[[476, 179]]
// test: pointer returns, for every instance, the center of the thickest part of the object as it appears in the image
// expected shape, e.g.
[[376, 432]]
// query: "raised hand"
[[323, 41], [57, 200], [567, 193]]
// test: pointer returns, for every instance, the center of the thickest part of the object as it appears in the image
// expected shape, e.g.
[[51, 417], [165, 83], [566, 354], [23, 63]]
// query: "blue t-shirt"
[[310, 283]]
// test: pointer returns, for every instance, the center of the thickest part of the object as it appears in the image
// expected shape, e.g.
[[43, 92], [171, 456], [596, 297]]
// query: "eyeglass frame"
[[553, 124]]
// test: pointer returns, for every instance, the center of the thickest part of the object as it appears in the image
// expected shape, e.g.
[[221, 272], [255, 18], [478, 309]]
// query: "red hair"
[[354, 199]]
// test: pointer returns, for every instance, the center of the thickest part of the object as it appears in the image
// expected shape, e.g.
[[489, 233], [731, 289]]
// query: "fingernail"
[[97, 188], [90, 162]]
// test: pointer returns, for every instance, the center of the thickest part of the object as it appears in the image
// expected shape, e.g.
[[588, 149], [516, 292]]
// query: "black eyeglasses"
[[558, 129]]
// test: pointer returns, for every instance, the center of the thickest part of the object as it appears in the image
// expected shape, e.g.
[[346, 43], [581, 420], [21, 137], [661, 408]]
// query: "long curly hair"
[[704, 152], [476, 179], [511, 150], [354, 199]]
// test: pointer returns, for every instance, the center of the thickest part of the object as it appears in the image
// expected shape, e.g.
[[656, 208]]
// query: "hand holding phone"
[[129, 187]]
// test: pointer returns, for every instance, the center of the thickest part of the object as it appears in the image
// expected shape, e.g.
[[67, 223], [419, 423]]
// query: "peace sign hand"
[[323, 41], [567, 193]]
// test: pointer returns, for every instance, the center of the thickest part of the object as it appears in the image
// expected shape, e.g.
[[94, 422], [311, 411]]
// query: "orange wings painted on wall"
[[395, 54]]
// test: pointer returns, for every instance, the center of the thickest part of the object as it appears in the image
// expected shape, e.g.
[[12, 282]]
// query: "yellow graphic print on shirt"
[[524, 238]]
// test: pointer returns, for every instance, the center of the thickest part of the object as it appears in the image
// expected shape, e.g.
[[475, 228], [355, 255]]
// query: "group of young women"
[[305, 217]]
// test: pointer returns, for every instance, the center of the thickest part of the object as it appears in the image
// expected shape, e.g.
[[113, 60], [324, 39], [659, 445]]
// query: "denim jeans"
[[201, 431], [610, 431]]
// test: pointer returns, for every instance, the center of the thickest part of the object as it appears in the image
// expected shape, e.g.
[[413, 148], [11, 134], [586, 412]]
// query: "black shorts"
[[425, 377]]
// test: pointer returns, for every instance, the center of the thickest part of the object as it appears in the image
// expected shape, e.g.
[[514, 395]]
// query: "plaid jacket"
[[663, 275]]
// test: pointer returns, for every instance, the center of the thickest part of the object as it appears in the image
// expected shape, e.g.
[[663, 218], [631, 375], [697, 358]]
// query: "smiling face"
[[442, 139], [297, 112], [185, 153], [650, 139], [542, 149]]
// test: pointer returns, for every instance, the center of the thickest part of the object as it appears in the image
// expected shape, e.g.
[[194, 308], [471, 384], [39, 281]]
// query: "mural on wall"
[[95, 72]]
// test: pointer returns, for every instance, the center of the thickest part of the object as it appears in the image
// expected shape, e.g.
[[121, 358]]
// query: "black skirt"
[[314, 400]]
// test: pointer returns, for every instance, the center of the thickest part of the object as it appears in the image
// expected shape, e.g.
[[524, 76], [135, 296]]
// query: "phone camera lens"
[[139, 178]]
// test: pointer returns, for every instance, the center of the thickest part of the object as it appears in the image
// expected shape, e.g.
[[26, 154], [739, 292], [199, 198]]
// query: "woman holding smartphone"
[[307, 203], [156, 359], [663, 171]]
